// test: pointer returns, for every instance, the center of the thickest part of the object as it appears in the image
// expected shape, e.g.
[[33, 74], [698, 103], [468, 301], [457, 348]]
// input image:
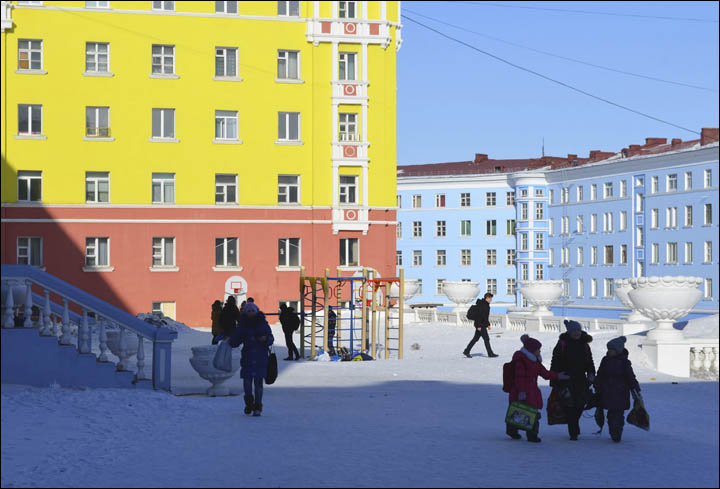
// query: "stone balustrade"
[[704, 362]]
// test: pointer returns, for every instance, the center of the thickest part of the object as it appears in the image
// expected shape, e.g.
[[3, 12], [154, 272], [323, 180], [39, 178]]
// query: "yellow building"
[[227, 144]]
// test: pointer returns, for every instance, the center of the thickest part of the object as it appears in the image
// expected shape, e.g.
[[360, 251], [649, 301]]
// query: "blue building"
[[647, 210]]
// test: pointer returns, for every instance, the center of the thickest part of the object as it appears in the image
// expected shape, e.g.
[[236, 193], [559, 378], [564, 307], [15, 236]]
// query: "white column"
[[141, 375], [383, 10], [28, 305], [103, 340], [47, 326], [82, 333], [122, 354], [364, 8], [66, 339], [366, 191], [316, 9], [8, 315]]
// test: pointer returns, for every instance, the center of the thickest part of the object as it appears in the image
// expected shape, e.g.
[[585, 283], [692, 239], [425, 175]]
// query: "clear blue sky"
[[454, 102]]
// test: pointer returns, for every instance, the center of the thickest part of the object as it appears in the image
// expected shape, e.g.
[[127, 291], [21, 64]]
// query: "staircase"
[[40, 350]]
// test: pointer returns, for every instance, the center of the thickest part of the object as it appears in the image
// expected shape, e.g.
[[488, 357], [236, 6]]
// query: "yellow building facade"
[[160, 128]]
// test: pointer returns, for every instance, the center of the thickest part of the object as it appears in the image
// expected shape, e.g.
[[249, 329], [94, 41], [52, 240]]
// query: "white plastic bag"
[[223, 357]]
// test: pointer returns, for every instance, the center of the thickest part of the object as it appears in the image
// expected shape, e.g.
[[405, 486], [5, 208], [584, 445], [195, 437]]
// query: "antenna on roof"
[[543, 147]]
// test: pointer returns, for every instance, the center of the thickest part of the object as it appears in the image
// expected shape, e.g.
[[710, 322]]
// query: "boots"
[[467, 354], [257, 409], [512, 432], [249, 401]]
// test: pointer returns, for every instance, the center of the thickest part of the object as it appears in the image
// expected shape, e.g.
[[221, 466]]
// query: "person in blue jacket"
[[254, 333]]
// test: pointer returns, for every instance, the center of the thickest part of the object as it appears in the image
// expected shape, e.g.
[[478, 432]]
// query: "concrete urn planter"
[[130, 341], [202, 362], [637, 323], [665, 300], [461, 293], [541, 294], [411, 289]]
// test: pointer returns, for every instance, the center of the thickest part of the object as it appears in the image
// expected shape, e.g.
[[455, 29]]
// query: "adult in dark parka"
[[482, 323], [254, 333], [229, 317], [614, 383], [290, 323], [572, 355], [215, 315]]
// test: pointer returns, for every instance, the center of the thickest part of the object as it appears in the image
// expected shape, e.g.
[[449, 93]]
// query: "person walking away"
[[527, 363], [572, 354], [332, 324], [614, 383], [253, 332], [229, 317], [482, 323], [290, 323], [215, 314]]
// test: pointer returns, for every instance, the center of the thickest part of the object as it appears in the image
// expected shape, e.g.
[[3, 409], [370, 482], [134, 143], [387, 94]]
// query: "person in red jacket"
[[528, 365]]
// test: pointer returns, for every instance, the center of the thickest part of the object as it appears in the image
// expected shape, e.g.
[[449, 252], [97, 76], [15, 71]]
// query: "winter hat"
[[617, 344], [572, 326], [251, 307], [531, 344]]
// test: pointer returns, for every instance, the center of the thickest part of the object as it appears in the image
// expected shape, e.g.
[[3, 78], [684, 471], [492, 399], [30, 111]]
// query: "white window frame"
[[29, 131], [29, 50], [465, 258], [608, 190], [97, 4], [524, 271], [510, 257], [348, 189], [440, 258], [510, 227], [491, 257], [491, 285], [708, 292], [539, 271], [93, 243], [523, 211], [398, 258], [539, 211], [593, 255], [96, 178], [416, 201], [623, 221], [671, 253], [608, 222], [707, 217], [623, 254], [593, 223], [439, 200], [440, 229], [417, 258], [671, 218], [708, 252], [287, 117], [708, 178], [539, 241], [163, 57], [346, 245], [655, 253], [163, 182], [285, 55], [163, 135], [347, 70], [491, 227], [97, 131], [289, 6], [593, 288], [465, 228], [439, 286], [510, 287], [593, 191], [225, 8], [465, 199], [285, 190], [579, 193], [224, 57], [224, 186], [348, 10], [348, 126], [223, 117], [524, 241], [654, 184], [288, 244], [608, 252], [161, 255], [671, 182], [510, 199], [164, 6], [28, 251], [654, 218], [688, 216], [95, 53], [688, 180], [623, 188], [608, 288], [490, 199], [580, 256], [579, 225], [417, 229], [688, 253], [26, 178], [580, 288]]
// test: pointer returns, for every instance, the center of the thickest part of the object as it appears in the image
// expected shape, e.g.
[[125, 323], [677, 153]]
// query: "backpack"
[[472, 312], [508, 376]]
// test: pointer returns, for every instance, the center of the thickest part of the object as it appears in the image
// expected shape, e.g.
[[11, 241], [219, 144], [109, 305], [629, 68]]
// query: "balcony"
[[348, 30], [350, 91], [350, 150], [350, 218]]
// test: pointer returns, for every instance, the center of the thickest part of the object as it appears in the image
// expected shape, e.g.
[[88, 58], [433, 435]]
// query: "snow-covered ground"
[[433, 419]]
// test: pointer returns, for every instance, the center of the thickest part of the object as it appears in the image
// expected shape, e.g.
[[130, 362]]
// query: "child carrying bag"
[[521, 415]]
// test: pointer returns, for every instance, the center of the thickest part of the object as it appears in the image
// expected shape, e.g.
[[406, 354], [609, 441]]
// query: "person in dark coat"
[[290, 323], [614, 382], [482, 323], [253, 332], [229, 317], [215, 314], [332, 324], [528, 366], [572, 354]]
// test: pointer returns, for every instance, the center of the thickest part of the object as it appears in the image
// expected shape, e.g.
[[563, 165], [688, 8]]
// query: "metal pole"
[[386, 304], [373, 326], [338, 323], [301, 305], [363, 299], [401, 310], [313, 281], [326, 319]]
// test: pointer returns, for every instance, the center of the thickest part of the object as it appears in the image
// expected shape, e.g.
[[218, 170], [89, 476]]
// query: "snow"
[[706, 327], [433, 419]]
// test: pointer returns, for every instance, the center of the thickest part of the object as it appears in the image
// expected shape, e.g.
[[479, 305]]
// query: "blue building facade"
[[648, 210]]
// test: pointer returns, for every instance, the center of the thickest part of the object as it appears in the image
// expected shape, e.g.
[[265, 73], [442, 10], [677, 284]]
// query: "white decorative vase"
[[130, 341], [541, 294], [461, 293], [665, 300], [637, 323], [411, 289], [202, 362]]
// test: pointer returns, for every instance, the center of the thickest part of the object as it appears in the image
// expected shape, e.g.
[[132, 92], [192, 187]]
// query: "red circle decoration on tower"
[[350, 151], [350, 28], [350, 90], [351, 215]]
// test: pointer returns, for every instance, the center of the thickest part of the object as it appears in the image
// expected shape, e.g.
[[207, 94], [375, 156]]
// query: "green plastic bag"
[[521, 415]]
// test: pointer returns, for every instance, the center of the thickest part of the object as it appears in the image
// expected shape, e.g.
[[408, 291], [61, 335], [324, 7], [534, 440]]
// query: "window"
[[347, 10], [29, 186], [97, 122], [672, 182], [289, 8], [565, 256], [228, 7], [708, 178], [492, 286], [348, 127], [607, 222], [623, 220], [510, 198], [289, 126], [491, 227], [29, 251], [608, 289], [398, 230], [163, 123], [708, 289], [97, 252], [163, 252], [226, 125], [593, 287], [439, 200], [688, 180], [465, 200], [639, 202], [288, 65], [671, 253], [97, 57], [349, 252], [288, 189], [226, 61], [510, 227], [524, 241], [593, 191], [417, 229], [465, 258], [655, 253], [539, 192], [440, 258], [510, 257], [654, 184], [30, 55], [580, 194], [593, 223], [399, 201], [491, 257], [440, 229], [29, 119], [580, 256], [97, 4], [565, 225], [225, 189], [166, 308], [539, 271], [524, 273], [163, 59], [439, 286], [579, 224], [688, 216], [639, 181], [593, 255], [417, 258], [163, 188], [654, 218], [417, 201], [708, 252], [623, 254], [552, 196], [580, 288], [671, 220], [169, 6], [708, 215], [348, 189], [688, 252], [289, 252], [609, 255], [523, 211], [608, 190], [623, 188], [97, 187], [551, 227], [398, 258], [490, 199], [539, 241], [347, 63], [510, 286], [539, 210], [465, 229], [565, 195]]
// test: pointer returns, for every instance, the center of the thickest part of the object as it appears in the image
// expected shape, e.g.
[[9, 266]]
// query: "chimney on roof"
[[635, 147], [655, 141], [676, 142], [708, 135], [572, 157], [479, 157], [593, 154]]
